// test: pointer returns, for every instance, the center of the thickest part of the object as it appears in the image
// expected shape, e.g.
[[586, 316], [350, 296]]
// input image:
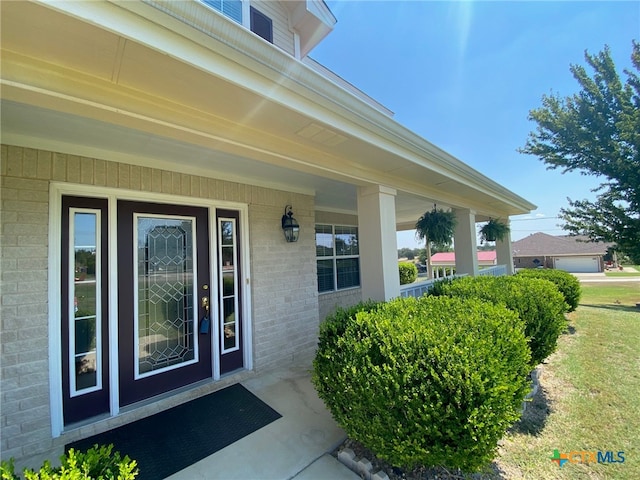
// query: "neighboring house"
[[443, 262], [572, 254], [149, 152]]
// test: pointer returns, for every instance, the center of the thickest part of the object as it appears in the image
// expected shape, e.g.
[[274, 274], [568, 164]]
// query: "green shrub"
[[99, 462], [335, 324], [537, 302], [429, 381], [568, 284], [408, 272], [437, 287]]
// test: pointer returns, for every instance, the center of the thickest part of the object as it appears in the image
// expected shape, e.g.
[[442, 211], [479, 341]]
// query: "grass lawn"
[[589, 398]]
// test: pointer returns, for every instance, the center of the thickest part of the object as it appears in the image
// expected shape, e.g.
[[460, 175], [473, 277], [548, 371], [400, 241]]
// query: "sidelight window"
[[85, 309]]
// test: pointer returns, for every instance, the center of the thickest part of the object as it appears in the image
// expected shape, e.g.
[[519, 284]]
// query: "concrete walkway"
[[295, 446]]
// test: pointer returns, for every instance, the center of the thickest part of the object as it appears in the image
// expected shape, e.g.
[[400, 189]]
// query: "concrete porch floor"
[[295, 446]]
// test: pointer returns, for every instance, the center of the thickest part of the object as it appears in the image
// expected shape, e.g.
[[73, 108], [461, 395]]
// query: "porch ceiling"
[[142, 87]]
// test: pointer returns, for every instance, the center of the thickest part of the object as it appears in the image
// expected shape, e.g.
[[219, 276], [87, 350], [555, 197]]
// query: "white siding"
[[282, 35]]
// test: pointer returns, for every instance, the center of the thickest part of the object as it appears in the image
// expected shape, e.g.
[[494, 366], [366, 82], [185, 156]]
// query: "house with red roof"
[[444, 262]]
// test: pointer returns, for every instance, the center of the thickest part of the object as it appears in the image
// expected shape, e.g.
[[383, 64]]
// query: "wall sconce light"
[[290, 225]]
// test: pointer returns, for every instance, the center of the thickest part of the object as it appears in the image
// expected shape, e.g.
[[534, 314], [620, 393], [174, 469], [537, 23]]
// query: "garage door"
[[577, 264]]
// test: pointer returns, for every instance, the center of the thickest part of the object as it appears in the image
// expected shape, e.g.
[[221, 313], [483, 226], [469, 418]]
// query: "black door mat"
[[169, 441]]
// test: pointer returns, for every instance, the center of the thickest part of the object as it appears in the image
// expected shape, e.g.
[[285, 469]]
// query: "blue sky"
[[464, 75]]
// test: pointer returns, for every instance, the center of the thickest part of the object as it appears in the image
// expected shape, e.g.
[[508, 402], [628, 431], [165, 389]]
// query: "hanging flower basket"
[[436, 226], [493, 230]]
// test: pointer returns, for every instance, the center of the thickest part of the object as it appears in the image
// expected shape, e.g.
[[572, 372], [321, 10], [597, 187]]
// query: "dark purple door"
[[163, 293]]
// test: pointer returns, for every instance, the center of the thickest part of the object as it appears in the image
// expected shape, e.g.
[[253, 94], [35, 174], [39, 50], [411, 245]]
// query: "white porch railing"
[[496, 271], [418, 289]]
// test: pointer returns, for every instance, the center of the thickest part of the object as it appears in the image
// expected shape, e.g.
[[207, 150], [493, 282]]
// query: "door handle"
[[204, 321], [205, 304]]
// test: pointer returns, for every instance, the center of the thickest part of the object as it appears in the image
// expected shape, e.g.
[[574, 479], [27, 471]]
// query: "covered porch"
[[251, 114], [239, 130]]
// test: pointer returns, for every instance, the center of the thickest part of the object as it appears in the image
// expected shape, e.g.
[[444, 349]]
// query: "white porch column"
[[465, 242], [379, 274], [504, 253]]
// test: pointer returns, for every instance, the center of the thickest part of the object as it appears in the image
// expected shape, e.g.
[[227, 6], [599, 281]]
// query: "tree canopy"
[[597, 132]]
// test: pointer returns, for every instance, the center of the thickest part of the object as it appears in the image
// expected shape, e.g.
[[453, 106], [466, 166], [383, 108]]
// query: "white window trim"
[[71, 294], [236, 347], [336, 257]]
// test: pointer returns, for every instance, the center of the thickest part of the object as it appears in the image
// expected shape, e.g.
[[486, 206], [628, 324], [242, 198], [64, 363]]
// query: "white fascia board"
[[320, 9], [312, 20], [234, 54]]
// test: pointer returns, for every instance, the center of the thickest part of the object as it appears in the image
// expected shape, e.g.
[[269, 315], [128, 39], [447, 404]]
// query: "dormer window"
[[261, 25], [230, 8]]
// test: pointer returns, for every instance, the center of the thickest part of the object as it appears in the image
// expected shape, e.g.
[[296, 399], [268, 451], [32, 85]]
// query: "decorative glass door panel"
[[164, 273], [84, 314], [229, 272]]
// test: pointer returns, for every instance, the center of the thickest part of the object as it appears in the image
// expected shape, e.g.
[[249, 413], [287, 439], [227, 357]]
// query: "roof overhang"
[[312, 20], [130, 83]]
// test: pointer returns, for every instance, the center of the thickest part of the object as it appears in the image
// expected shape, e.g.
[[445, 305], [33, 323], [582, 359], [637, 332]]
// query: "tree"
[[436, 228], [597, 132], [407, 253]]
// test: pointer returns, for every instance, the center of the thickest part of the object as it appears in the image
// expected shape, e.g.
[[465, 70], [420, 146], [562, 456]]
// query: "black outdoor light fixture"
[[290, 225]]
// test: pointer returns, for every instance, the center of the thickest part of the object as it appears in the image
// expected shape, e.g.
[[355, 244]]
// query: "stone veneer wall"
[[283, 284]]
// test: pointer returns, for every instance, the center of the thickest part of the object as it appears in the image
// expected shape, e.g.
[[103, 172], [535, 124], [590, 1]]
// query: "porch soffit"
[[211, 105]]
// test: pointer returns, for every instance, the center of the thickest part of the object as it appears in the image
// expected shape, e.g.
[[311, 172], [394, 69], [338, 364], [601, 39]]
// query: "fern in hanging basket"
[[494, 229], [436, 226]]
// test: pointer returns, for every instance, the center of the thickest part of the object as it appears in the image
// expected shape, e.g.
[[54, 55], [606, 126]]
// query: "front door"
[[163, 298]]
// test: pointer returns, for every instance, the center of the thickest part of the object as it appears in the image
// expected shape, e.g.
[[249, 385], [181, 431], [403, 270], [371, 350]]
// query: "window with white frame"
[[338, 257], [229, 8]]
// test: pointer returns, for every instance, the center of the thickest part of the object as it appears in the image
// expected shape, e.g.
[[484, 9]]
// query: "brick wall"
[[283, 283], [24, 373], [329, 302], [530, 262]]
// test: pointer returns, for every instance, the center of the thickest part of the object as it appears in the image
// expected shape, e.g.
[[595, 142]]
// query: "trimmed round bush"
[[537, 302], [408, 272], [568, 284], [336, 323], [434, 381]]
